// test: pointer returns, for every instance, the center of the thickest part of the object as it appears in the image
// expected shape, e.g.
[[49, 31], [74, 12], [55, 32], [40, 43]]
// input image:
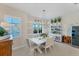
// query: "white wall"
[[69, 20], [5, 10]]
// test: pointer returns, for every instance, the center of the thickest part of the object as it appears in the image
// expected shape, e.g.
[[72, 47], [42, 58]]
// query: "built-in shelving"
[[56, 31]]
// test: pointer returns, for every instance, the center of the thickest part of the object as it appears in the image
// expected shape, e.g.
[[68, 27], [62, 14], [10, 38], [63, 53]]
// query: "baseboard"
[[18, 47]]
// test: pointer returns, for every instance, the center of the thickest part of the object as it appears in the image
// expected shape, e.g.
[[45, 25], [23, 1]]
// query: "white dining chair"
[[33, 47], [49, 44]]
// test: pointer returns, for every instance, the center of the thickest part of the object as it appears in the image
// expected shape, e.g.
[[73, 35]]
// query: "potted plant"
[[59, 19], [52, 21], [55, 20], [3, 33], [44, 35]]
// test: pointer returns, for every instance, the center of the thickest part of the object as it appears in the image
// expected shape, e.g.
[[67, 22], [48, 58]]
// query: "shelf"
[[56, 31]]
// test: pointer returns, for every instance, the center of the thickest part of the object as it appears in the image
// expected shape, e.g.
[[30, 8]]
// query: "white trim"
[[18, 47]]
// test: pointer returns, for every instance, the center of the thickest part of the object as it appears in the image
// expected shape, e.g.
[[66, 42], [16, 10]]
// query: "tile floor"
[[59, 49]]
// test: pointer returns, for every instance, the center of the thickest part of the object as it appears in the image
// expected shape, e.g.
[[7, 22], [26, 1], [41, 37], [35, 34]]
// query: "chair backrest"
[[28, 43], [49, 41]]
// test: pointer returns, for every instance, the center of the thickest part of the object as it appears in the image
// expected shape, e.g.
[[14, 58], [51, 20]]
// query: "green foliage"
[[2, 31], [44, 35], [55, 20], [52, 21], [59, 19]]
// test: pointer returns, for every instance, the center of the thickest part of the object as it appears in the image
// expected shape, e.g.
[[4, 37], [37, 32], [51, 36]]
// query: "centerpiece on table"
[[44, 35]]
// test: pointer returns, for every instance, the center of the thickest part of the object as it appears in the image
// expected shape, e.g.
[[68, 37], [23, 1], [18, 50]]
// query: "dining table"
[[38, 40]]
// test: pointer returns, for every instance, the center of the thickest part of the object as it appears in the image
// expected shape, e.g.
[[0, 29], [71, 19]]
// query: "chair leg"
[[34, 53], [45, 50], [39, 50], [50, 49]]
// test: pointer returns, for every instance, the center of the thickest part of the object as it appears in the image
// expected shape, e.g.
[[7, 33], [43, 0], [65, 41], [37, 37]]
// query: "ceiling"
[[52, 9]]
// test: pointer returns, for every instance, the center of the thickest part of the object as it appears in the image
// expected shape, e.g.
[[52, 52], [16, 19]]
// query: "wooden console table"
[[66, 39], [5, 47]]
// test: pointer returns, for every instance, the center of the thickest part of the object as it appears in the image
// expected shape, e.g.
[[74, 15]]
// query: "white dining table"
[[38, 40]]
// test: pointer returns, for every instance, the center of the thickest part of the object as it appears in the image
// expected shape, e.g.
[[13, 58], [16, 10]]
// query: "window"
[[37, 28], [14, 30]]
